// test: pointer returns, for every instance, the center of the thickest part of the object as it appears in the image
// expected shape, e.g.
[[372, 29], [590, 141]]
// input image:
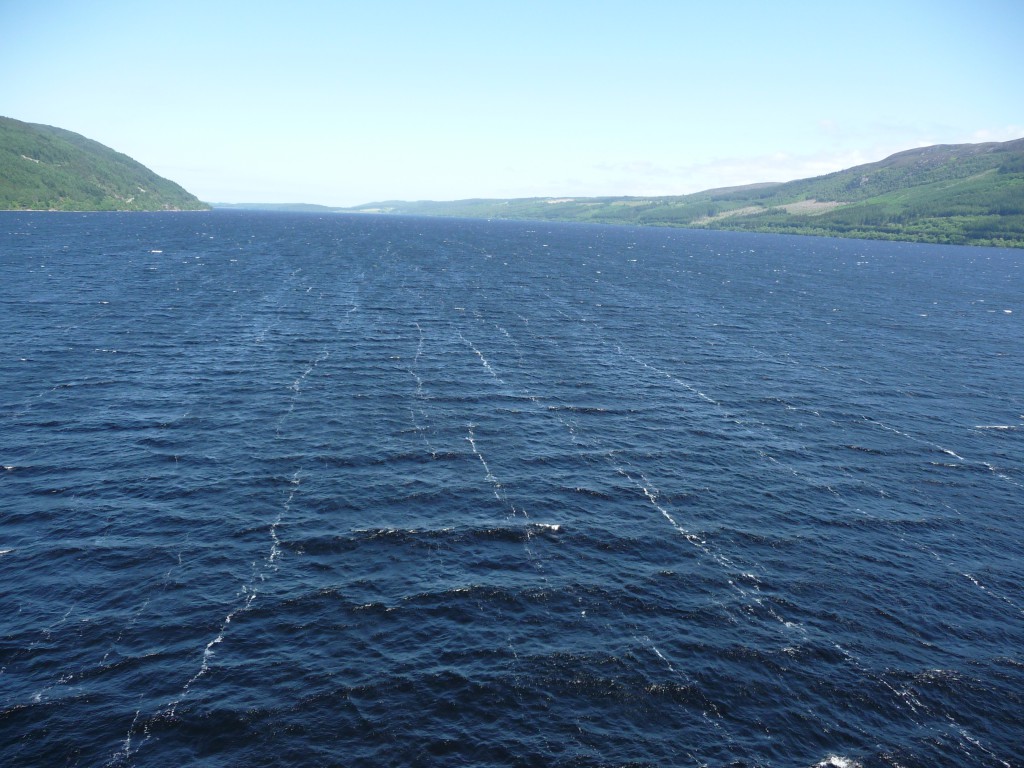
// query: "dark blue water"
[[286, 490]]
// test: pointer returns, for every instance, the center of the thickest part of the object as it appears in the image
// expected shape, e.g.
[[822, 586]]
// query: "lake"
[[291, 489]]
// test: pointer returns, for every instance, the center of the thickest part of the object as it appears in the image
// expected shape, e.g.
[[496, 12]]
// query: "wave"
[[454, 536]]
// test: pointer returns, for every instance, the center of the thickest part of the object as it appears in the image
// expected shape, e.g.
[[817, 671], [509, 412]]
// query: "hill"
[[47, 168], [969, 194]]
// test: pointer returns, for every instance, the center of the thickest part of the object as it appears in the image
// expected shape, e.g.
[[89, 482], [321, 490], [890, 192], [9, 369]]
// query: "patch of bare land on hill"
[[749, 210], [811, 206], [805, 207]]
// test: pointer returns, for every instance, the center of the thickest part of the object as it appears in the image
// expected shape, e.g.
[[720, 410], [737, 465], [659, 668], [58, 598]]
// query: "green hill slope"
[[47, 168], [963, 194]]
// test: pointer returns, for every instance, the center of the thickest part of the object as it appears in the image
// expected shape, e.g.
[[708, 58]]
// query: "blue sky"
[[342, 103]]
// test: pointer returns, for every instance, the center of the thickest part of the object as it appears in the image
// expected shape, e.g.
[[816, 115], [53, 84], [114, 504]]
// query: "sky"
[[342, 103]]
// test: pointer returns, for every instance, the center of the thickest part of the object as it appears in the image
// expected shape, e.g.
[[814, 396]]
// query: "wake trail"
[[543, 405], [417, 410], [788, 359], [249, 591], [483, 360], [640, 481]]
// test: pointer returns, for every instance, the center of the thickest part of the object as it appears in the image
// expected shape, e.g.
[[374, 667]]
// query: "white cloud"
[[1007, 133], [648, 178], [642, 178]]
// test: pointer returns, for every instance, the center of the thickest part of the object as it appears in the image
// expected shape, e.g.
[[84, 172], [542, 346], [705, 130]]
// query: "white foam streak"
[[420, 422], [674, 379], [249, 590], [126, 746], [712, 715], [993, 594], [480, 356], [947, 451], [499, 492]]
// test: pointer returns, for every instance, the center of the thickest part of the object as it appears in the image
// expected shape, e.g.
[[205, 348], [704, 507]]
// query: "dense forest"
[[47, 168]]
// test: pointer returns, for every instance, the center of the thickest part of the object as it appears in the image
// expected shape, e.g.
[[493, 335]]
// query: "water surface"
[[300, 490]]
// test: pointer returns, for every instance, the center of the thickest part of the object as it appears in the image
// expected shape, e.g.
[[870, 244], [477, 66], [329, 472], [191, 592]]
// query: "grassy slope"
[[42, 167], [964, 193]]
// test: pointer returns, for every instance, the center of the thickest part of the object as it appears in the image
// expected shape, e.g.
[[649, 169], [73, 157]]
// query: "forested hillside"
[[47, 168], [962, 193]]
